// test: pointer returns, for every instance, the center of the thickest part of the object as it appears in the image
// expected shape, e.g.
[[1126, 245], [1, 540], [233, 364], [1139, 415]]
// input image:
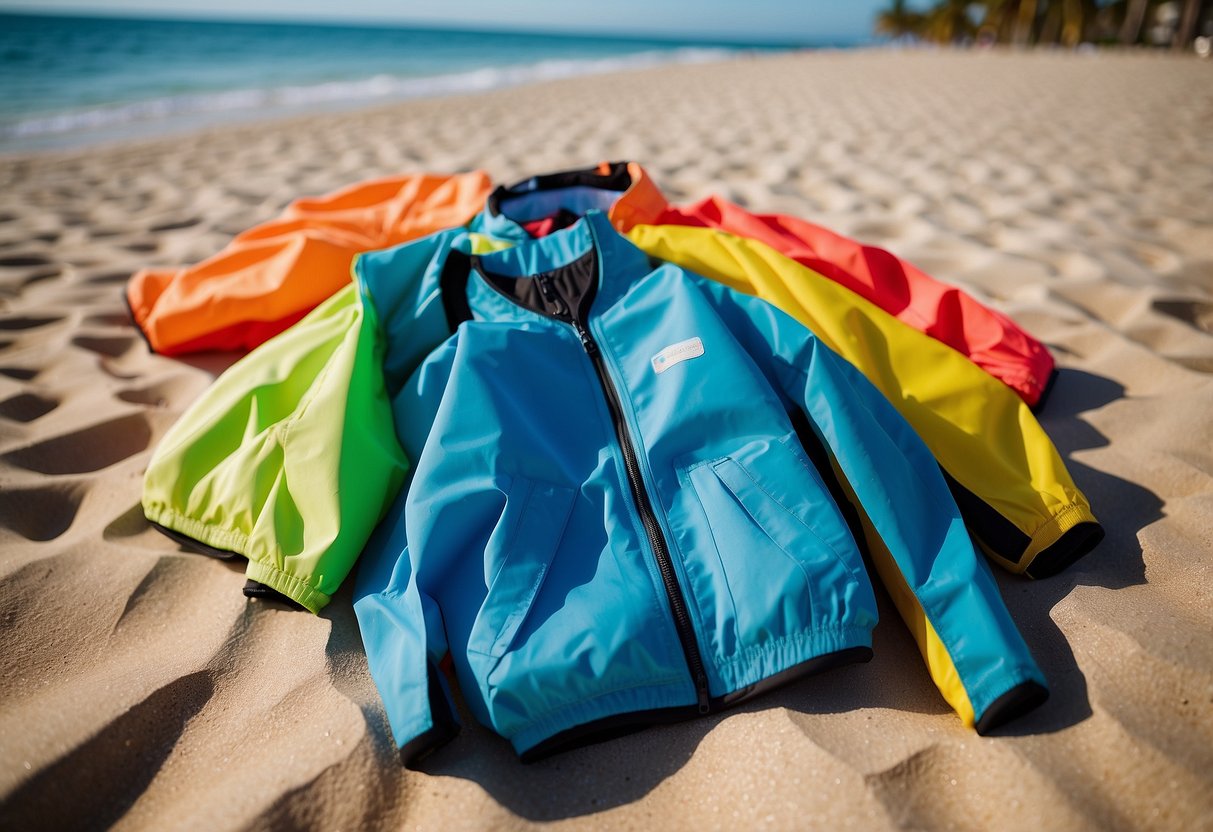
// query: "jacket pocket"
[[519, 552], [806, 526], [766, 550]]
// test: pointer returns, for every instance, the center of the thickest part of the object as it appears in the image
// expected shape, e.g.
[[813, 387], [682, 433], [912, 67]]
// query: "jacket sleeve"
[[273, 274], [289, 458], [988, 338], [1014, 491], [401, 625], [912, 525]]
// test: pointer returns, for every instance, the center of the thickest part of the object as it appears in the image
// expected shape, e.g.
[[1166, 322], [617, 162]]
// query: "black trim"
[[648, 518], [1044, 394], [552, 294], [445, 726], [617, 178], [252, 589], [985, 523], [1071, 546], [1006, 540], [620, 725], [453, 286], [256, 589], [1019, 700], [195, 545]]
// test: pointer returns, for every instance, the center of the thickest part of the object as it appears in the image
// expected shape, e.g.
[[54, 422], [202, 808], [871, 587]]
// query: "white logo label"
[[676, 354]]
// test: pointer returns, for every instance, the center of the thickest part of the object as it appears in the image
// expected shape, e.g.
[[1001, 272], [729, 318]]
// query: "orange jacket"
[[273, 274]]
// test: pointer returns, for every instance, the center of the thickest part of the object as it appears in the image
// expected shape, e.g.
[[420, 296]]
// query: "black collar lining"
[[617, 178], [564, 293]]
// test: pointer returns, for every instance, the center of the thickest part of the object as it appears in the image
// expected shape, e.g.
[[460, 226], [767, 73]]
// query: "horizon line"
[[360, 22]]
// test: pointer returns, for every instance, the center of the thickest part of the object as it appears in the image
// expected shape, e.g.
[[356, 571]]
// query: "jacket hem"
[[237, 542], [773, 658], [605, 715]]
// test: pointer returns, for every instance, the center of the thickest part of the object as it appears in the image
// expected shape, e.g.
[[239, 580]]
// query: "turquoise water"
[[68, 81]]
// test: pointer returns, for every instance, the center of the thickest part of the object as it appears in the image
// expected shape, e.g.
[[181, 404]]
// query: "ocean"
[[75, 81]]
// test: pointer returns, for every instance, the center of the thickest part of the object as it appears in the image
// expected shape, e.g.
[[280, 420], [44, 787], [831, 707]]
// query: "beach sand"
[[139, 688]]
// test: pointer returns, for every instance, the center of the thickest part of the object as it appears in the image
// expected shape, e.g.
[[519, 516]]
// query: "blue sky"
[[784, 20]]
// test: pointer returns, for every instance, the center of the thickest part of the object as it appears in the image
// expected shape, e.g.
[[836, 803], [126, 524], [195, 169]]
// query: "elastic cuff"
[[212, 537], [1071, 533], [186, 529], [308, 597]]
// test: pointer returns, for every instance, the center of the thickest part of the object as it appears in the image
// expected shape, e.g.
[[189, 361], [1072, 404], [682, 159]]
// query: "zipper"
[[644, 506]]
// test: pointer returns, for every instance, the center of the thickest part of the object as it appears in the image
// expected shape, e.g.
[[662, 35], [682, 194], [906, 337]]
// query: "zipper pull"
[[701, 689], [587, 341]]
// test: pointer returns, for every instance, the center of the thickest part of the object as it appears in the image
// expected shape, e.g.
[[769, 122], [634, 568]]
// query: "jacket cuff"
[[1019, 700], [1062, 541]]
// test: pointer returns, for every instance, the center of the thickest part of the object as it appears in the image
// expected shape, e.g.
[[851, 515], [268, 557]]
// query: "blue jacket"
[[615, 516]]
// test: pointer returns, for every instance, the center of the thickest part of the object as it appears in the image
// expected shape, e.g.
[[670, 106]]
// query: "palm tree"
[[898, 21], [995, 18], [1066, 21], [1077, 17], [1024, 22], [1135, 15], [1021, 22], [949, 22], [1193, 11]]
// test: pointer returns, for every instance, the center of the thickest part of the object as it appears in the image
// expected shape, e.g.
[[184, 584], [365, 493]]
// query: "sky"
[[808, 21]]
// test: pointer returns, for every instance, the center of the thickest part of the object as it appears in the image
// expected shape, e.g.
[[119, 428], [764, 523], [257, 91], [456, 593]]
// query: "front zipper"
[[682, 619]]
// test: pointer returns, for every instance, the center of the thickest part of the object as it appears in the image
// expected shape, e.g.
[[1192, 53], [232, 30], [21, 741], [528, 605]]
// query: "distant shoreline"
[[76, 81], [437, 88], [167, 116]]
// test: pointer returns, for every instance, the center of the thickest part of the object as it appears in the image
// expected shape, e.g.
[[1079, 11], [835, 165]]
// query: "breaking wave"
[[337, 93]]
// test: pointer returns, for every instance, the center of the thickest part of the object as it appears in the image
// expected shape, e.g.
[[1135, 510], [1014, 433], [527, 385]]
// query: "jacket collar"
[[618, 264], [622, 189]]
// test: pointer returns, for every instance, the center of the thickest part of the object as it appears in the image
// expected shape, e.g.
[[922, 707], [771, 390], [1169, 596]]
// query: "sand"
[[139, 688]]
